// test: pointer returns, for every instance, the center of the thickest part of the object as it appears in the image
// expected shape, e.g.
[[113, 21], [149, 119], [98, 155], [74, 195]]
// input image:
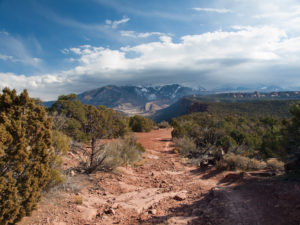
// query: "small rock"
[[110, 211], [152, 211], [72, 173], [104, 217], [180, 197]]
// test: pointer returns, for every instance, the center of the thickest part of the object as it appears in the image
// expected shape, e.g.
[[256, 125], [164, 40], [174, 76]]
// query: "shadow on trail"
[[252, 201], [185, 210], [207, 171], [166, 140]]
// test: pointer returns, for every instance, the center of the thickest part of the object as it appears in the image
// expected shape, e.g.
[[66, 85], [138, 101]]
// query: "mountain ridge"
[[261, 103], [137, 99], [149, 100]]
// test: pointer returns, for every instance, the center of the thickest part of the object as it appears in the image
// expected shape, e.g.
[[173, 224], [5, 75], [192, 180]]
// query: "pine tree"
[[25, 143]]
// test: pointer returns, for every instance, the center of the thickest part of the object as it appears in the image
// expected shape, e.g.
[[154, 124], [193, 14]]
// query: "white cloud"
[[116, 23], [241, 55], [65, 51], [76, 50], [15, 50], [214, 10], [282, 14], [133, 34], [6, 57]]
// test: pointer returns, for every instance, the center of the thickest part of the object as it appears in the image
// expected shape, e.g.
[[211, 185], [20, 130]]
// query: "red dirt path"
[[164, 190]]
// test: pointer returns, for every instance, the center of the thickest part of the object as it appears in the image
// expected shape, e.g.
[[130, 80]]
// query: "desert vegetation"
[[33, 142], [28, 160], [140, 124], [87, 124], [239, 142]]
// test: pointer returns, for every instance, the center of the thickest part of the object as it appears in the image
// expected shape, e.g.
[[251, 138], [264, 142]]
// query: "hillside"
[[250, 104], [253, 96]]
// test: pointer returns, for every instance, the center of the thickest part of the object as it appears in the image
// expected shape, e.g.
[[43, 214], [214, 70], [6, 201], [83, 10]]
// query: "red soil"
[[164, 190]]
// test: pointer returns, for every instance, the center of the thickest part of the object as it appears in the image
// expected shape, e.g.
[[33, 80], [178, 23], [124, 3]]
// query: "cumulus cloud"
[[244, 55], [116, 23], [214, 10]]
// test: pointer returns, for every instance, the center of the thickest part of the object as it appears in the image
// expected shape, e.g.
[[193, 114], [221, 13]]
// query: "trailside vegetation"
[[139, 123], [120, 152], [240, 141], [26, 155], [33, 142], [87, 123]]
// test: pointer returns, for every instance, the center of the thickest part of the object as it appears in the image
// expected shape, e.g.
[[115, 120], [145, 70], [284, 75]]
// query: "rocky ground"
[[162, 189]]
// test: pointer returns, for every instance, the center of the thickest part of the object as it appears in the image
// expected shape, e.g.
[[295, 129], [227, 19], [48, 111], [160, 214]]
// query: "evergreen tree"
[[96, 128], [88, 123], [139, 123], [25, 143]]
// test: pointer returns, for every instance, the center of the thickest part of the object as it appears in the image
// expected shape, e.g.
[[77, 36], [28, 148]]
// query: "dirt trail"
[[163, 190]]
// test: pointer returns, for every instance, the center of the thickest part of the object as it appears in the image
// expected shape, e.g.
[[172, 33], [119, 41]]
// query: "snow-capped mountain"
[[137, 99]]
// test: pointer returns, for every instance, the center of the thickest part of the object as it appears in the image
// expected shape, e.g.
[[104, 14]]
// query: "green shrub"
[[25, 155], [140, 124], [164, 124]]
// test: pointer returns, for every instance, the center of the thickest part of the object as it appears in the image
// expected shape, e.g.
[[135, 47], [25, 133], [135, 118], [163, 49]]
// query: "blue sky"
[[61, 46]]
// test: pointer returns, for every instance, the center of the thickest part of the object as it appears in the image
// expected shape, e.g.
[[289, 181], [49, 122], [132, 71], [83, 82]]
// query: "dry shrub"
[[275, 165], [77, 200], [120, 152], [234, 162], [186, 146], [254, 164], [70, 184]]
